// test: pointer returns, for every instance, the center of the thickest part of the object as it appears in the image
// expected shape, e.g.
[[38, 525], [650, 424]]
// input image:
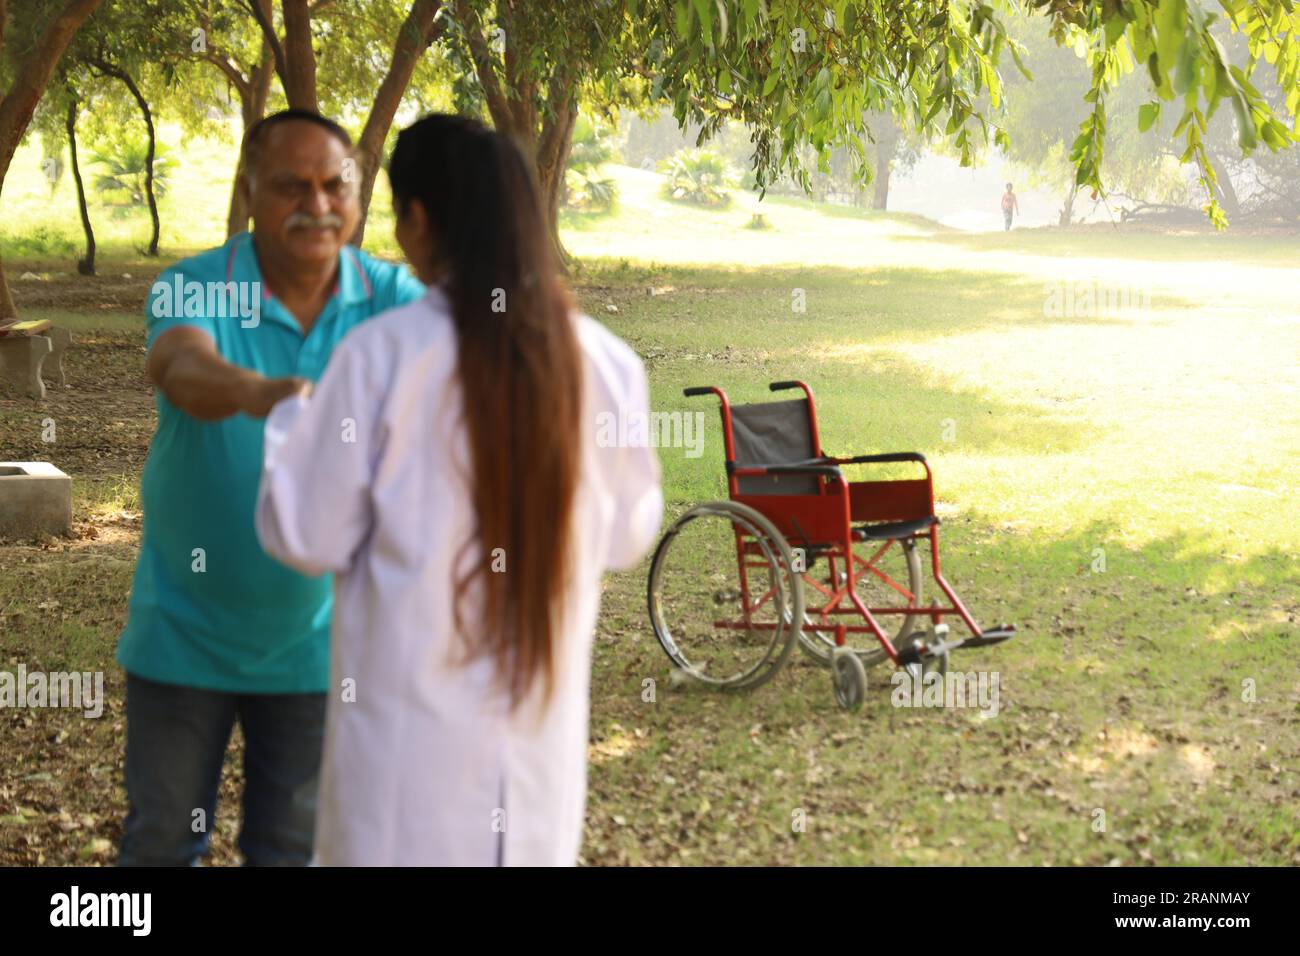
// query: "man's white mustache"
[[300, 220]]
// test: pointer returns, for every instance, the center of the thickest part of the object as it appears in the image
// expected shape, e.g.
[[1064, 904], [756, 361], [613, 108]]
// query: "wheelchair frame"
[[894, 512]]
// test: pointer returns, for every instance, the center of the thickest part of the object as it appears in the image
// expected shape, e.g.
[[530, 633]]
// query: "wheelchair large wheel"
[[724, 603], [901, 564]]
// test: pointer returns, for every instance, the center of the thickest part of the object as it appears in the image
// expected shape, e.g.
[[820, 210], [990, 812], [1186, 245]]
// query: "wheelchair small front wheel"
[[724, 602], [848, 678]]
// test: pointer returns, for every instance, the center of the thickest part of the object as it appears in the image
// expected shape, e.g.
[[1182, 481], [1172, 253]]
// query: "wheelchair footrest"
[[995, 635], [914, 654]]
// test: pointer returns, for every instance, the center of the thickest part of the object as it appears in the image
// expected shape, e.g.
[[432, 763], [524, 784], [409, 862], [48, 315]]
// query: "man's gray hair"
[[255, 138]]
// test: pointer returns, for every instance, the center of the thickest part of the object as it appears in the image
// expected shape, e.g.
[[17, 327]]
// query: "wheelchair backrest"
[[773, 433]]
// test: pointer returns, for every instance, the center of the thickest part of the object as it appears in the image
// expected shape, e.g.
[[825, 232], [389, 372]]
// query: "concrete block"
[[35, 500]]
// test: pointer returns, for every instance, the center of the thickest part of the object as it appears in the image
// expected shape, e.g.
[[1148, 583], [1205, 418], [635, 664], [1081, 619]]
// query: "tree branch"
[[33, 74], [421, 28], [557, 131], [228, 67], [262, 14], [498, 106]]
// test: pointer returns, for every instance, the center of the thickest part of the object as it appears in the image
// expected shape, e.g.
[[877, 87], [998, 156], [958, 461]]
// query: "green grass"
[[1165, 439]]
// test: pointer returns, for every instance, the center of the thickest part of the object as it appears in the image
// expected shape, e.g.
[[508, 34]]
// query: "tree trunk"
[[7, 310], [549, 151], [86, 266], [510, 101], [552, 160], [125, 77], [1067, 211], [19, 102], [880, 198], [552, 153], [887, 136], [299, 77], [252, 106], [295, 60], [414, 37], [118, 73], [1227, 192]]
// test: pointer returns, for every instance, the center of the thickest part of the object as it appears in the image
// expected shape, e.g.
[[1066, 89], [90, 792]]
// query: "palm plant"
[[123, 159], [698, 176], [584, 186]]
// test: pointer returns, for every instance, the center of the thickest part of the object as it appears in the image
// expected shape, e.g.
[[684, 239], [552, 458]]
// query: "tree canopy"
[[800, 72], [805, 77]]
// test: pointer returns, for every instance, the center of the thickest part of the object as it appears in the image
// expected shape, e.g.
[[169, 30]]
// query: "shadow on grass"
[[795, 308]]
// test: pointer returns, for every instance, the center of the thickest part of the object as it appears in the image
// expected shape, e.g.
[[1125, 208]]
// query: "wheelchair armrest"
[[893, 456], [816, 466]]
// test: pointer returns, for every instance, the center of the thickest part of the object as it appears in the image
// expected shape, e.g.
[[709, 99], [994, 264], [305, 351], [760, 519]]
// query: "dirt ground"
[[1190, 774], [63, 604]]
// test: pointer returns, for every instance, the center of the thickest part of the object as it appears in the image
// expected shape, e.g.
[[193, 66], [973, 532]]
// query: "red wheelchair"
[[800, 555]]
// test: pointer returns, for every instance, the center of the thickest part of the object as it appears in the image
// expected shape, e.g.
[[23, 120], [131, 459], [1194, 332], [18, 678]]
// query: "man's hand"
[[263, 393], [185, 364]]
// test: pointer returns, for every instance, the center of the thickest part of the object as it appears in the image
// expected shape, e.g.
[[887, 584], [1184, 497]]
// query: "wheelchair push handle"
[[697, 390], [781, 386]]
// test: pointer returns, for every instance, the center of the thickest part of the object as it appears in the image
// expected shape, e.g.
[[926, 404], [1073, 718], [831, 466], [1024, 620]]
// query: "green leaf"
[[1245, 126], [1188, 71], [1171, 26], [1115, 25], [683, 19], [1272, 137], [704, 10], [1148, 113]]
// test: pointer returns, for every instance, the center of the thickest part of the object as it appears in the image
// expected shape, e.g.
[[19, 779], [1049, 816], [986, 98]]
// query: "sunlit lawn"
[[1119, 482]]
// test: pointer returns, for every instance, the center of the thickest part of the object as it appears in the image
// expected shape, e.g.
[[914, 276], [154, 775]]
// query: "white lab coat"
[[423, 762]]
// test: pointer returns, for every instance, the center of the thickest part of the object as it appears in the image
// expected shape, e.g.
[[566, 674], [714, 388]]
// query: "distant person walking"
[[1010, 206]]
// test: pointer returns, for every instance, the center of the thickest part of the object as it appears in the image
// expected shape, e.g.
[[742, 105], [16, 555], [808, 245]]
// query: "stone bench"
[[23, 354]]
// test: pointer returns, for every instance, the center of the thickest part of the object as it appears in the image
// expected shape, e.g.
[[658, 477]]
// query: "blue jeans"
[[176, 741]]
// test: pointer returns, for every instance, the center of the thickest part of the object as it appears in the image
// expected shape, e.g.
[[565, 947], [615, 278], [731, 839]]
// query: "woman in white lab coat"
[[450, 469]]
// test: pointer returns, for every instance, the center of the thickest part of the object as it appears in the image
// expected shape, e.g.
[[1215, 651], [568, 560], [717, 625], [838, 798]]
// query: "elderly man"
[[217, 631]]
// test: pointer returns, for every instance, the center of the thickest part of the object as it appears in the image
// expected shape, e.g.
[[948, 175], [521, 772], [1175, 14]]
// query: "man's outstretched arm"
[[185, 364]]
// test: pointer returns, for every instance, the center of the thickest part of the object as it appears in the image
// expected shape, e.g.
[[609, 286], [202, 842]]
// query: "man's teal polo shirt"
[[209, 608]]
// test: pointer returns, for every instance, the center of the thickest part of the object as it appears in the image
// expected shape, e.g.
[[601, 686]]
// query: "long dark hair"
[[519, 370]]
